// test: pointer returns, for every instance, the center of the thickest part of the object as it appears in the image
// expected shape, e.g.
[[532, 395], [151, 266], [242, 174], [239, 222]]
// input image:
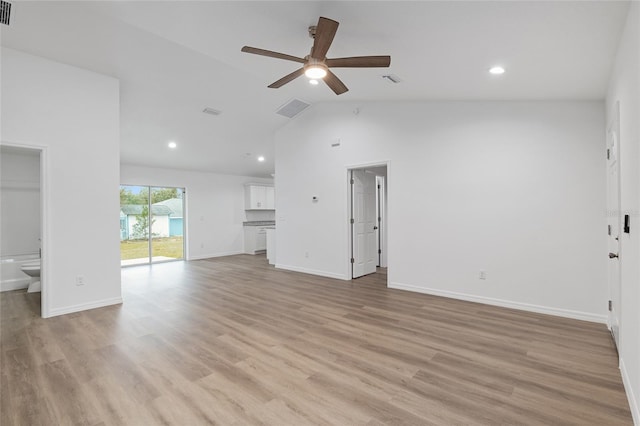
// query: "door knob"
[[612, 255], [375, 227]]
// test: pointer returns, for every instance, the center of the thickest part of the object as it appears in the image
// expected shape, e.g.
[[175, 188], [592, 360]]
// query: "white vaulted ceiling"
[[174, 58]]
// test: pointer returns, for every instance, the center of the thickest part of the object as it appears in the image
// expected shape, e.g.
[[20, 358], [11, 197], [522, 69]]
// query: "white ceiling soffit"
[[175, 58]]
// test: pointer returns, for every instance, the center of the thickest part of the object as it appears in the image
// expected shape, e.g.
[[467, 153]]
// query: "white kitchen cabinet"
[[259, 197], [261, 239], [271, 245], [270, 195], [255, 239]]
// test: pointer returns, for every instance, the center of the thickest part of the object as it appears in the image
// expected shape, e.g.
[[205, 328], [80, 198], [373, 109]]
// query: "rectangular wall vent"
[[292, 108], [5, 12], [211, 111]]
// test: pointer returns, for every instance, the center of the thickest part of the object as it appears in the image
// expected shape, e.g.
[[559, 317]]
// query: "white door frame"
[[347, 211], [45, 270], [382, 224], [615, 288]]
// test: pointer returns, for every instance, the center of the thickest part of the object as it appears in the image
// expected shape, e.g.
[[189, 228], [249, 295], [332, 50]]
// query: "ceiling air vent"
[[211, 111], [5, 12], [392, 78], [292, 108]]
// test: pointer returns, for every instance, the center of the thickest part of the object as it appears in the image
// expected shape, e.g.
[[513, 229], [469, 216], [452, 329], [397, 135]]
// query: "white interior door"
[[378, 219], [614, 225], [363, 210]]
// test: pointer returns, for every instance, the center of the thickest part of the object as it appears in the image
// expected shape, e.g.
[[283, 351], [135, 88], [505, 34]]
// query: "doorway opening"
[[151, 224], [23, 223], [367, 219]]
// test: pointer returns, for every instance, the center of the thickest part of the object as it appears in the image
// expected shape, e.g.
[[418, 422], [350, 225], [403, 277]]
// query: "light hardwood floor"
[[234, 341]]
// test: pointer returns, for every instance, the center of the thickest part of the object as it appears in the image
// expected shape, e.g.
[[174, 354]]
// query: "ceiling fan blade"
[[335, 83], [286, 79], [359, 62], [271, 54], [325, 31]]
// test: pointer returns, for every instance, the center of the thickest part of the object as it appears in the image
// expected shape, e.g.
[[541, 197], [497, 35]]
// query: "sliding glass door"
[[151, 224]]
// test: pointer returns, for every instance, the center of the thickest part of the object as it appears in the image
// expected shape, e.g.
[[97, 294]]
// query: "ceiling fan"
[[316, 65]]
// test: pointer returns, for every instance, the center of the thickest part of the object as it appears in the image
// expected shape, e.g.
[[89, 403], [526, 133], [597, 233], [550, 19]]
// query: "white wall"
[[625, 89], [19, 203], [73, 115], [214, 206], [515, 189]]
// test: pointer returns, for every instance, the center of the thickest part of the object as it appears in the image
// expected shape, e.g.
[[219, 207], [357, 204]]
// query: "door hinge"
[[353, 260], [352, 181], [352, 221], [608, 154], [378, 186], [379, 251], [609, 229], [610, 306]]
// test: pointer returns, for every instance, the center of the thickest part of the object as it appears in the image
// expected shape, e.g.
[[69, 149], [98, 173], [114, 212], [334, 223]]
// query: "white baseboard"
[[312, 272], [633, 401], [84, 307], [566, 313], [14, 284], [209, 256]]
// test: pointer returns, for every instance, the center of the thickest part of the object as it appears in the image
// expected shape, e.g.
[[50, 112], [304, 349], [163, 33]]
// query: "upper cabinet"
[[259, 197], [270, 195]]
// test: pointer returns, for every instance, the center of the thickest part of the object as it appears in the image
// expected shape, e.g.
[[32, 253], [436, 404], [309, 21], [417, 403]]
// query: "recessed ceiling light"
[[172, 145], [497, 70], [261, 158], [313, 82]]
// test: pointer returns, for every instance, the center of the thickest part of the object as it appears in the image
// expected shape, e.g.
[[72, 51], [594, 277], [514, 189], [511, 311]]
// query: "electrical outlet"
[[482, 275], [201, 245], [306, 254], [80, 280]]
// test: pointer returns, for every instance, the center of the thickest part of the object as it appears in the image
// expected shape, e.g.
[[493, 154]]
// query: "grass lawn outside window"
[[139, 249]]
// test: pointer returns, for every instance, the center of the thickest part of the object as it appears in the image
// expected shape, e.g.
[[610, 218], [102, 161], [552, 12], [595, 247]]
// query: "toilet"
[[33, 270]]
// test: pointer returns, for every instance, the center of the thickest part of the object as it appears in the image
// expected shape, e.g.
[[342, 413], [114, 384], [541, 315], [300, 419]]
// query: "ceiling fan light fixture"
[[315, 72], [316, 65], [313, 82]]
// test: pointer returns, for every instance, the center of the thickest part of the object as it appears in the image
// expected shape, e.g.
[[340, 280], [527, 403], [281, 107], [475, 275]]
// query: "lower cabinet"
[[271, 246], [261, 239], [255, 239]]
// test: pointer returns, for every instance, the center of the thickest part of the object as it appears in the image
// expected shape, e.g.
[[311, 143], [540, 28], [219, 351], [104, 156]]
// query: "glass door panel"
[[151, 224], [134, 225], [167, 224]]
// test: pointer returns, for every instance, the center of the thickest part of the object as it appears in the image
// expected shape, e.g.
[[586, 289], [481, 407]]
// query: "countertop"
[[260, 223]]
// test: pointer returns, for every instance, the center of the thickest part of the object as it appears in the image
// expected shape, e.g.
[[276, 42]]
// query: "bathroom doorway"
[[151, 224], [22, 225]]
